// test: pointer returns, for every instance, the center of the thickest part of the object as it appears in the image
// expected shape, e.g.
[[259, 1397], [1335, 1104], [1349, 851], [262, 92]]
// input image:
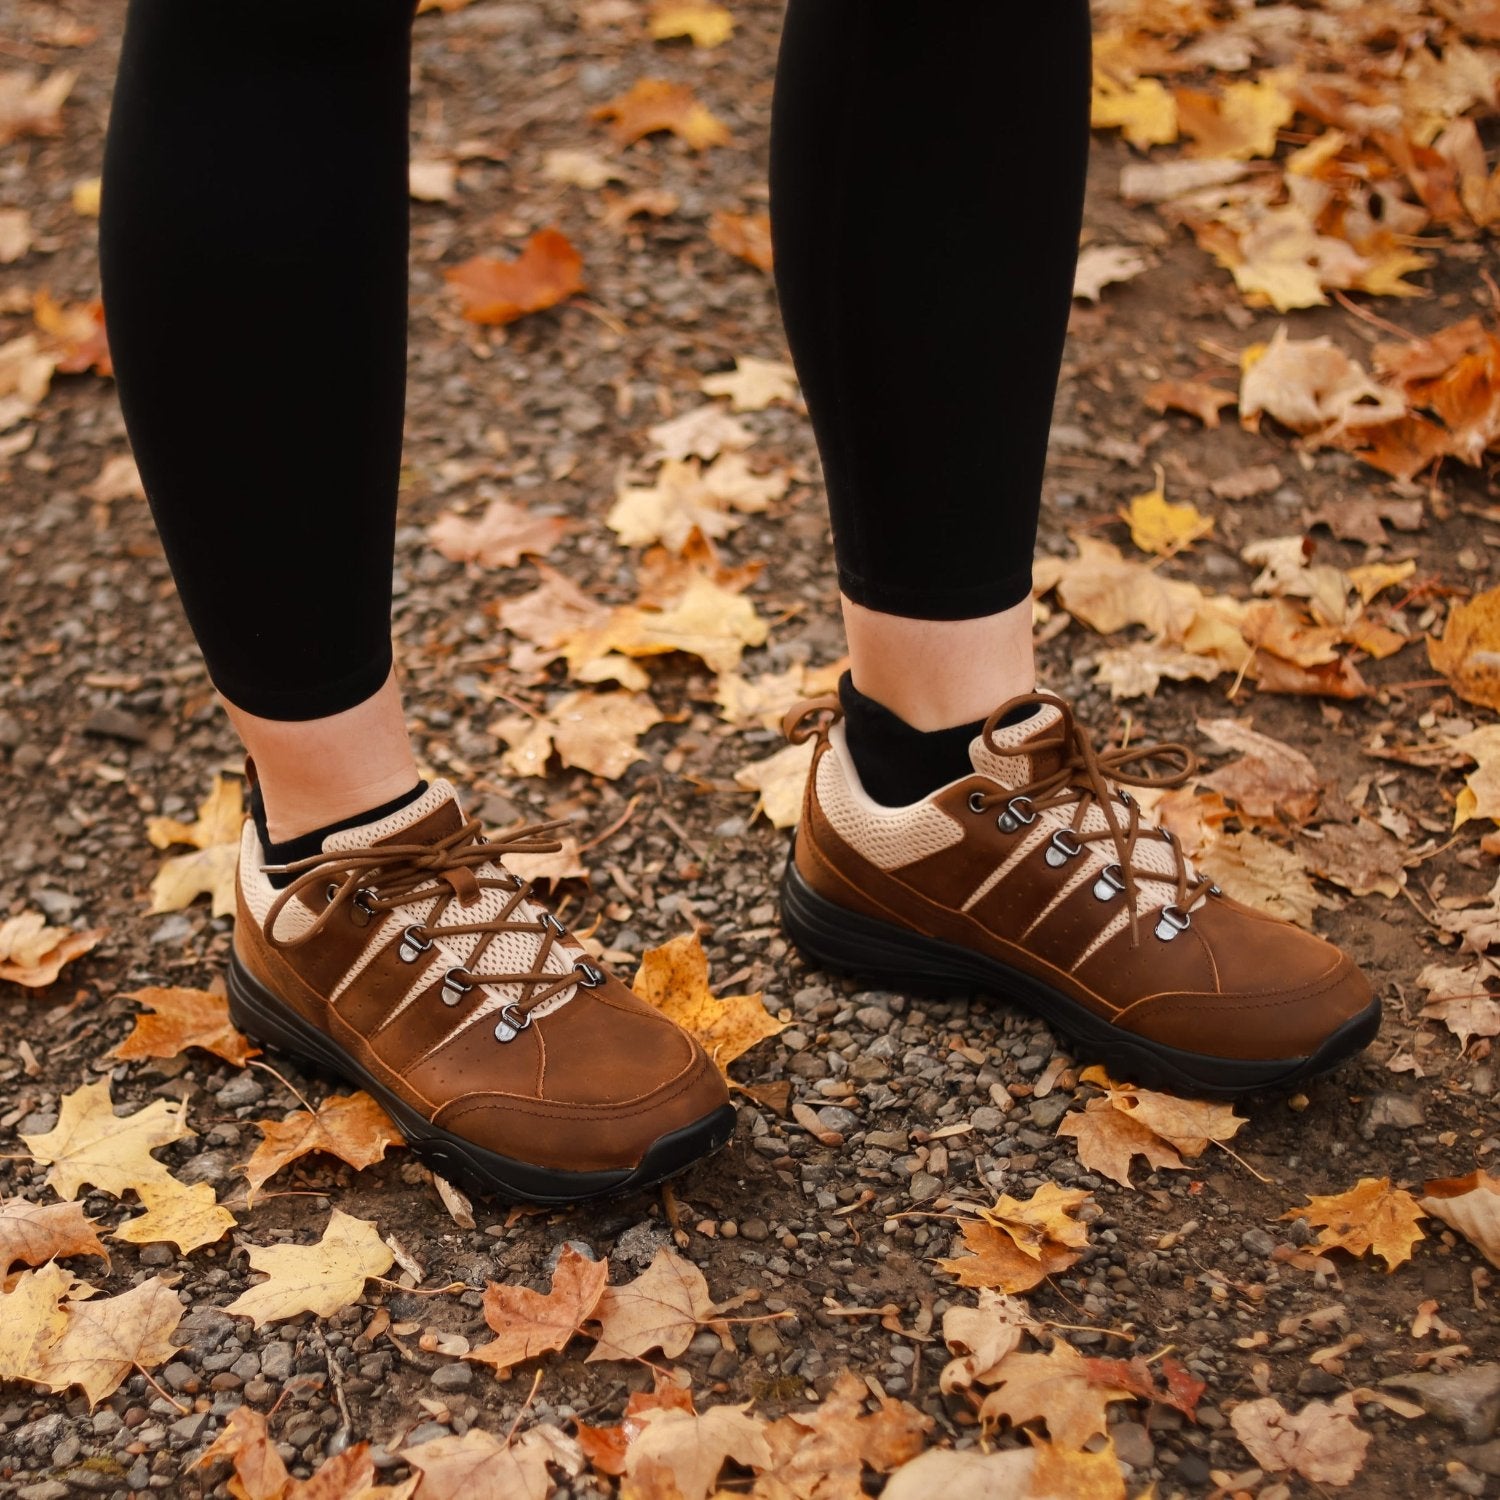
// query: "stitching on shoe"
[[1266, 999]]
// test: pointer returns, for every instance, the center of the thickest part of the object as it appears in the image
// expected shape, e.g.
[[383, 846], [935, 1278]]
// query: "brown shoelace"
[[364, 882], [1082, 780]]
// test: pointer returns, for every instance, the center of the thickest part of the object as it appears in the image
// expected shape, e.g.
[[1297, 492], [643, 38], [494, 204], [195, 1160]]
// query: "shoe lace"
[[1086, 777], [385, 877]]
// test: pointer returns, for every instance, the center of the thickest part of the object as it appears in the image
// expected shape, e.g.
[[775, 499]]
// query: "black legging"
[[926, 192]]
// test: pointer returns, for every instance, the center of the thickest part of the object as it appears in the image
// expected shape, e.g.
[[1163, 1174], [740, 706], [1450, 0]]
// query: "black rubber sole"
[[263, 1016], [848, 942]]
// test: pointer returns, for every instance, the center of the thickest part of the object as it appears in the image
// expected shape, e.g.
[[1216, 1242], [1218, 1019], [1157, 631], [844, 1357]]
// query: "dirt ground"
[[107, 717]]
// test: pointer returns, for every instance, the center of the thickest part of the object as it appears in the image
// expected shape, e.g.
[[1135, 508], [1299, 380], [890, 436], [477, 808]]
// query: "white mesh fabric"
[[888, 837], [260, 894]]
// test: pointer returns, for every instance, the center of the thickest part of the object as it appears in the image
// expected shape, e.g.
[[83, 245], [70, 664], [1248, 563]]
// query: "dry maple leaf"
[[661, 1309], [1061, 1473], [33, 954], [705, 24], [1196, 397], [210, 869], [704, 432], [753, 384], [106, 1338], [75, 335], [478, 1466], [1460, 999], [1469, 1204], [551, 612], [183, 1018], [323, 1278], [606, 1447], [594, 732], [1099, 266], [186, 1215], [529, 1323], [91, 1144], [674, 979], [31, 1233], [745, 236], [1179, 1389], [1372, 1215], [981, 1337], [32, 1319], [996, 1261], [32, 106], [1055, 1388], [781, 780], [1468, 651], [1239, 123], [1159, 527], [692, 1447], [500, 538], [654, 104], [1321, 1442], [547, 271], [1264, 875], [1271, 782], [352, 1127], [1142, 110], [246, 1442], [684, 498]]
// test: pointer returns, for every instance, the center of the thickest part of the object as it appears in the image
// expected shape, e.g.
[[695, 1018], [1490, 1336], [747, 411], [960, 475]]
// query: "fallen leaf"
[[746, 236], [245, 1441], [579, 169], [1468, 652], [566, 864], [674, 979], [1469, 1204], [684, 498], [705, 24], [1310, 385], [323, 1278], [1460, 999], [1272, 782], [107, 1338], [753, 384], [118, 479], [352, 1127], [595, 732], [994, 1259], [781, 780], [183, 1018], [661, 1309], [478, 1466], [1196, 397], [547, 271], [1372, 1215], [91, 1144], [1143, 111], [1099, 266], [1264, 875], [31, 105], [620, 209], [1054, 1388], [210, 869], [529, 1323], [33, 1316], [1157, 526], [1178, 1389], [654, 104], [31, 1233], [981, 1337], [75, 335], [33, 954], [500, 538], [1359, 857], [1239, 122], [1321, 1442], [704, 432], [432, 179], [1076, 1473], [15, 235], [177, 1213]]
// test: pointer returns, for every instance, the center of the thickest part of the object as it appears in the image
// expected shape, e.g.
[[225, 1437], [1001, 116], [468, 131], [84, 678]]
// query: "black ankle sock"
[[305, 845], [897, 764]]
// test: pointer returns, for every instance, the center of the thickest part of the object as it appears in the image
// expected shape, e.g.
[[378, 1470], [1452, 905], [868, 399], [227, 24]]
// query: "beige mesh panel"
[[1012, 770], [260, 894], [886, 836]]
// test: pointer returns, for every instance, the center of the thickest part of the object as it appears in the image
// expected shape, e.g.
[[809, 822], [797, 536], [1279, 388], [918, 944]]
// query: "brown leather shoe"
[[406, 959], [1039, 878]]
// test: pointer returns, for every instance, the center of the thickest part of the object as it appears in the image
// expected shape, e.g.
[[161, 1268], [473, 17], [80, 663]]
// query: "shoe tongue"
[[433, 815], [1014, 760]]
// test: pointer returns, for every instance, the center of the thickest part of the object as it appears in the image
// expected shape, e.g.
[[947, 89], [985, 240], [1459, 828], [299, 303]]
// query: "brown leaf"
[[746, 236], [32, 106], [74, 335], [674, 979], [31, 1233], [1469, 1204], [1360, 857], [1468, 652], [1321, 1442], [981, 1337], [500, 538], [1272, 782], [1196, 397], [1055, 1388], [246, 1443], [661, 1309], [781, 780], [33, 954], [1264, 875], [1461, 1000], [478, 1466], [182, 1018], [1178, 1389], [996, 1261], [1237, 123], [352, 1127], [529, 1323], [547, 271], [690, 1448], [107, 1338], [654, 104], [1372, 1215]]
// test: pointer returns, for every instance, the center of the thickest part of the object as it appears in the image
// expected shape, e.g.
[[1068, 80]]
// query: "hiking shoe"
[[406, 959], [1040, 879]]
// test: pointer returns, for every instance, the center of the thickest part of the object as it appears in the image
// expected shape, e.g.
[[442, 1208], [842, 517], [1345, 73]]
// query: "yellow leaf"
[[595, 732], [107, 1338], [753, 384], [1055, 1388], [1468, 652], [781, 779], [33, 954], [707, 25], [653, 104], [674, 978], [1239, 123], [1143, 111], [32, 1319], [1158, 526], [1372, 1215], [215, 838], [661, 1309], [91, 1144], [186, 1215], [323, 1278]]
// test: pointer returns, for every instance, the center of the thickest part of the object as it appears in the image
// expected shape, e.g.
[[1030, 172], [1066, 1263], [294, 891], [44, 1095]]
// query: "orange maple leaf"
[[352, 1127], [1372, 1215], [182, 1018], [528, 1323], [653, 104], [745, 235], [500, 291]]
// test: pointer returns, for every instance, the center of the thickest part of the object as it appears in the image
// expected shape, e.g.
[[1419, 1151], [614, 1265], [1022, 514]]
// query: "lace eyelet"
[[589, 976], [551, 922], [1172, 921], [513, 1021], [413, 945], [456, 984], [360, 912], [1013, 817], [977, 803], [1109, 884], [330, 891], [1062, 847]]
